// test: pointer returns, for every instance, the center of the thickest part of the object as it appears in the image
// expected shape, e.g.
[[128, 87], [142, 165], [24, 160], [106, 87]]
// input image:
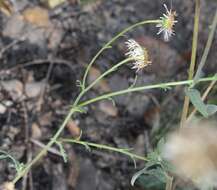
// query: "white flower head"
[[167, 24], [138, 53]]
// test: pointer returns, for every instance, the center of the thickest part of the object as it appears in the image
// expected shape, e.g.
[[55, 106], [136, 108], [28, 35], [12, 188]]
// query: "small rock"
[[14, 27], [18, 150], [139, 147], [2, 109], [36, 131], [12, 132], [45, 119], [137, 105], [165, 60], [73, 169], [108, 108], [87, 177], [116, 83], [18, 28], [14, 88], [73, 128], [53, 3], [102, 85], [55, 37], [33, 89], [8, 103], [58, 178], [37, 16], [152, 118]]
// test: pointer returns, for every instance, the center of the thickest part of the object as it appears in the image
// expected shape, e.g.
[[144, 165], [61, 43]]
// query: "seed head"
[[193, 152], [138, 53], [167, 24]]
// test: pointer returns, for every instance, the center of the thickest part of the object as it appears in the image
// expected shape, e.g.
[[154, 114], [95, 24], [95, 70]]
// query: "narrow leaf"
[[211, 109], [205, 109], [197, 101], [137, 174], [159, 174]]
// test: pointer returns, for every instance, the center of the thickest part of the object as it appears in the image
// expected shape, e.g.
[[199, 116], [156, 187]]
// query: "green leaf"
[[160, 145], [3, 157], [78, 109], [62, 151], [150, 182], [18, 166], [167, 166], [211, 109], [196, 100], [157, 172], [153, 156], [137, 175]]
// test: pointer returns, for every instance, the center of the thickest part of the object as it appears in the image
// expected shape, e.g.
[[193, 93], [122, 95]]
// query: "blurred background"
[[44, 48]]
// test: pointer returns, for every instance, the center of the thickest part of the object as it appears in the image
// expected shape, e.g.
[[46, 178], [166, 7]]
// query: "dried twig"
[[41, 145], [45, 61]]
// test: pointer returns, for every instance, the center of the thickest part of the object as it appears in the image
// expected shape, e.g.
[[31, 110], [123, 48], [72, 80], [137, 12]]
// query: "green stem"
[[74, 106], [44, 150], [105, 96], [161, 85], [100, 78], [112, 69], [8, 156], [105, 147], [50, 143], [193, 61], [108, 44]]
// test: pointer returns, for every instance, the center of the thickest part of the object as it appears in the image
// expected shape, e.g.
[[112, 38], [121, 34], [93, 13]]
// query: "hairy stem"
[[44, 150], [76, 108], [141, 88], [105, 147], [112, 69]]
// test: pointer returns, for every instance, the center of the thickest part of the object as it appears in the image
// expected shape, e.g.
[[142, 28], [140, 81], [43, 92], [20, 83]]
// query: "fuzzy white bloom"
[[193, 152], [138, 53], [7, 186], [167, 23]]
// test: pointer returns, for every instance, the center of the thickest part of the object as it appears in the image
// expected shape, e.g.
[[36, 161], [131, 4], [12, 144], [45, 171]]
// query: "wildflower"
[[138, 53], [193, 152], [167, 23]]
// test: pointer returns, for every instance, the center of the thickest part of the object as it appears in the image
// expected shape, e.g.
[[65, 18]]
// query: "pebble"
[[2, 109]]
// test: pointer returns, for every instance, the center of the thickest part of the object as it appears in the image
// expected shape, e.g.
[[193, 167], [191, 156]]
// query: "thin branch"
[[105, 147], [193, 61], [141, 88], [44, 61]]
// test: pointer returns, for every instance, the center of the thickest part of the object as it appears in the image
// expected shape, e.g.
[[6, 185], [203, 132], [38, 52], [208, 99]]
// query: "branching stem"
[[106, 147]]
